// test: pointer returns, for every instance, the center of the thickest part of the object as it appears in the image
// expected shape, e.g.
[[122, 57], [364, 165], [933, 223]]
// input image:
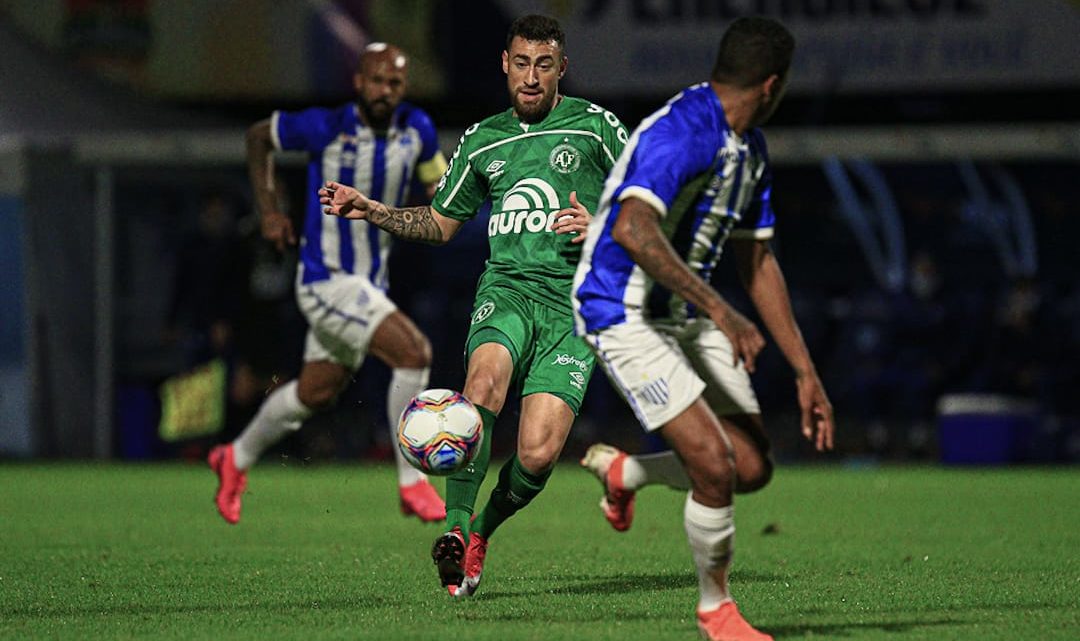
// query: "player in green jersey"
[[523, 161]]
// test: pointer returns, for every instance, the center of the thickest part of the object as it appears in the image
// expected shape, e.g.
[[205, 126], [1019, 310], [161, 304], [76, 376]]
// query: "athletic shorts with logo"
[[661, 369], [547, 356], [342, 314]]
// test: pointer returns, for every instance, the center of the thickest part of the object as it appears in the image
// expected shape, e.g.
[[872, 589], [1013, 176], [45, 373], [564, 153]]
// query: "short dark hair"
[[537, 28], [751, 50]]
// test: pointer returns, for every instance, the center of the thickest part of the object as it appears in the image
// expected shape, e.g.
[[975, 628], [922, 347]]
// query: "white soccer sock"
[[711, 531], [404, 384], [650, 469], [281, 413]]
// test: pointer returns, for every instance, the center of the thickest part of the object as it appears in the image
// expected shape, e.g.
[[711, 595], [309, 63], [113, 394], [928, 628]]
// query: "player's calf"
[[752, 476], [320, 383]]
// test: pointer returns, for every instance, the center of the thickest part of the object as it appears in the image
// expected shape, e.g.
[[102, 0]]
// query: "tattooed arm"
[[422, 224], [637, 229]]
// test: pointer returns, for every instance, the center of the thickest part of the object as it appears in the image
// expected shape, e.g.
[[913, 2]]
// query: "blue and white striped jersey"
[[708, 184], [340, 147]]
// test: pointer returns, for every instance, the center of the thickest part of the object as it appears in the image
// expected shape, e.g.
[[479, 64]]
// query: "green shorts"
[[547, 356]]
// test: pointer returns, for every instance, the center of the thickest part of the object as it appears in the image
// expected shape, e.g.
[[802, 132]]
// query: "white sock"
[[649, 469], [281, 413], [711, 532], [404, 384]]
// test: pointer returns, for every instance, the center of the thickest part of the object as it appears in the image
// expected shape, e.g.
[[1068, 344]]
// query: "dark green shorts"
[[547, 356]]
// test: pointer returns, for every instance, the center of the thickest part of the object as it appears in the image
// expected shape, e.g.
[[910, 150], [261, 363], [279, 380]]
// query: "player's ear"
[[358, 82], [562, 66], [506, 62], [771, 87]]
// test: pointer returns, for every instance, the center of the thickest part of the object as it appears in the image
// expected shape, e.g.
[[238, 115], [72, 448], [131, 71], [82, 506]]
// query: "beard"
[[533, 112], [377, 113]]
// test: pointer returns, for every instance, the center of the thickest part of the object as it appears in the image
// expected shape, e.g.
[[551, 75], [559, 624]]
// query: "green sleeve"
[[613, 135], [462, 189]]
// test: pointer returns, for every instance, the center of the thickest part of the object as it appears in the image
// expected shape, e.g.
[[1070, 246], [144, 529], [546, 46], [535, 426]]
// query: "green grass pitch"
[[138, 552]]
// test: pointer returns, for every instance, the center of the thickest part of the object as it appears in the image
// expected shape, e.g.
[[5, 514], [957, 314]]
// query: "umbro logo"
[[495, 166]]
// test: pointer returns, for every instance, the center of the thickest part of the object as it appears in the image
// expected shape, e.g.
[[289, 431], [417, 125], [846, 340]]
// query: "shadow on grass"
[[33, 612], [929, 619], [840, 630], [985, 606], [619, 584]]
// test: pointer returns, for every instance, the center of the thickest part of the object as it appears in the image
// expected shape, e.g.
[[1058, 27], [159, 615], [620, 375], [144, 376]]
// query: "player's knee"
[[483, 389], [418, 355], [711, 476], [318, 398], [539, 459], [717, 471], [754, 475]]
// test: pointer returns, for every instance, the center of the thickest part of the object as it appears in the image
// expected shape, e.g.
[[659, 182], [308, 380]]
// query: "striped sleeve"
[[431, 164], [308, 130], [758, 221], [665, 154]]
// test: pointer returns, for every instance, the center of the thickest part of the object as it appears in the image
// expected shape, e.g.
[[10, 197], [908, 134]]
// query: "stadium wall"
[[97, 273]]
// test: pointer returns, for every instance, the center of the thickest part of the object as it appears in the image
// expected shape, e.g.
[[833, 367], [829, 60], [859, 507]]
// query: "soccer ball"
[[440, 431]]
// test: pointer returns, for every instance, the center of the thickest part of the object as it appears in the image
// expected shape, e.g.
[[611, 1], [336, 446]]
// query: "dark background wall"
[[156, 96]]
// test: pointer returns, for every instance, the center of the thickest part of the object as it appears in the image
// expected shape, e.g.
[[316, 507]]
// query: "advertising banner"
[[648, 46]]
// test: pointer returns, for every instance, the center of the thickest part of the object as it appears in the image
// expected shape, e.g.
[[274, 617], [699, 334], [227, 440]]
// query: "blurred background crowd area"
[[926, 162]]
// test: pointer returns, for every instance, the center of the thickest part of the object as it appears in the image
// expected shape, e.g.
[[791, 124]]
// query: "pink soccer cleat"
[[726, 624], [231, 482], [474, 567], [606, 463], [422, 500]]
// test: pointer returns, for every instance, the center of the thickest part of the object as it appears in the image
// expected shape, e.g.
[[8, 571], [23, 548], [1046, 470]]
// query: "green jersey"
[[527, 173]]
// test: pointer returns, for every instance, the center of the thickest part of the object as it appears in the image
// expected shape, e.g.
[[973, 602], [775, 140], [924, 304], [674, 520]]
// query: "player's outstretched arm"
[[637, 229], [422, 224], [276, 226], [764, 282]]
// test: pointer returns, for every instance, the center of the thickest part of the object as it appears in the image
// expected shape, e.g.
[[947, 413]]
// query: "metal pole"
[[104, 267]]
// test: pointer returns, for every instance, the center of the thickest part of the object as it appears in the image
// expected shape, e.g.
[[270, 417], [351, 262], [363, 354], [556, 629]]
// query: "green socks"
[[515, 489], [463, 486]]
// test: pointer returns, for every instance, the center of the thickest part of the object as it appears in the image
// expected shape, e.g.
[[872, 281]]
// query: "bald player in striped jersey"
[[386, 147], [693, 175]]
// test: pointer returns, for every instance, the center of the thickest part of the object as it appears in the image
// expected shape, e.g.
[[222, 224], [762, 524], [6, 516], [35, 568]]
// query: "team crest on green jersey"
[[483, 312], [565, 158]]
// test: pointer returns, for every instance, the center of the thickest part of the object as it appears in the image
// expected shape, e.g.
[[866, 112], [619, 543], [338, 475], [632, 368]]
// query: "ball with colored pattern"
[[440, 431]]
